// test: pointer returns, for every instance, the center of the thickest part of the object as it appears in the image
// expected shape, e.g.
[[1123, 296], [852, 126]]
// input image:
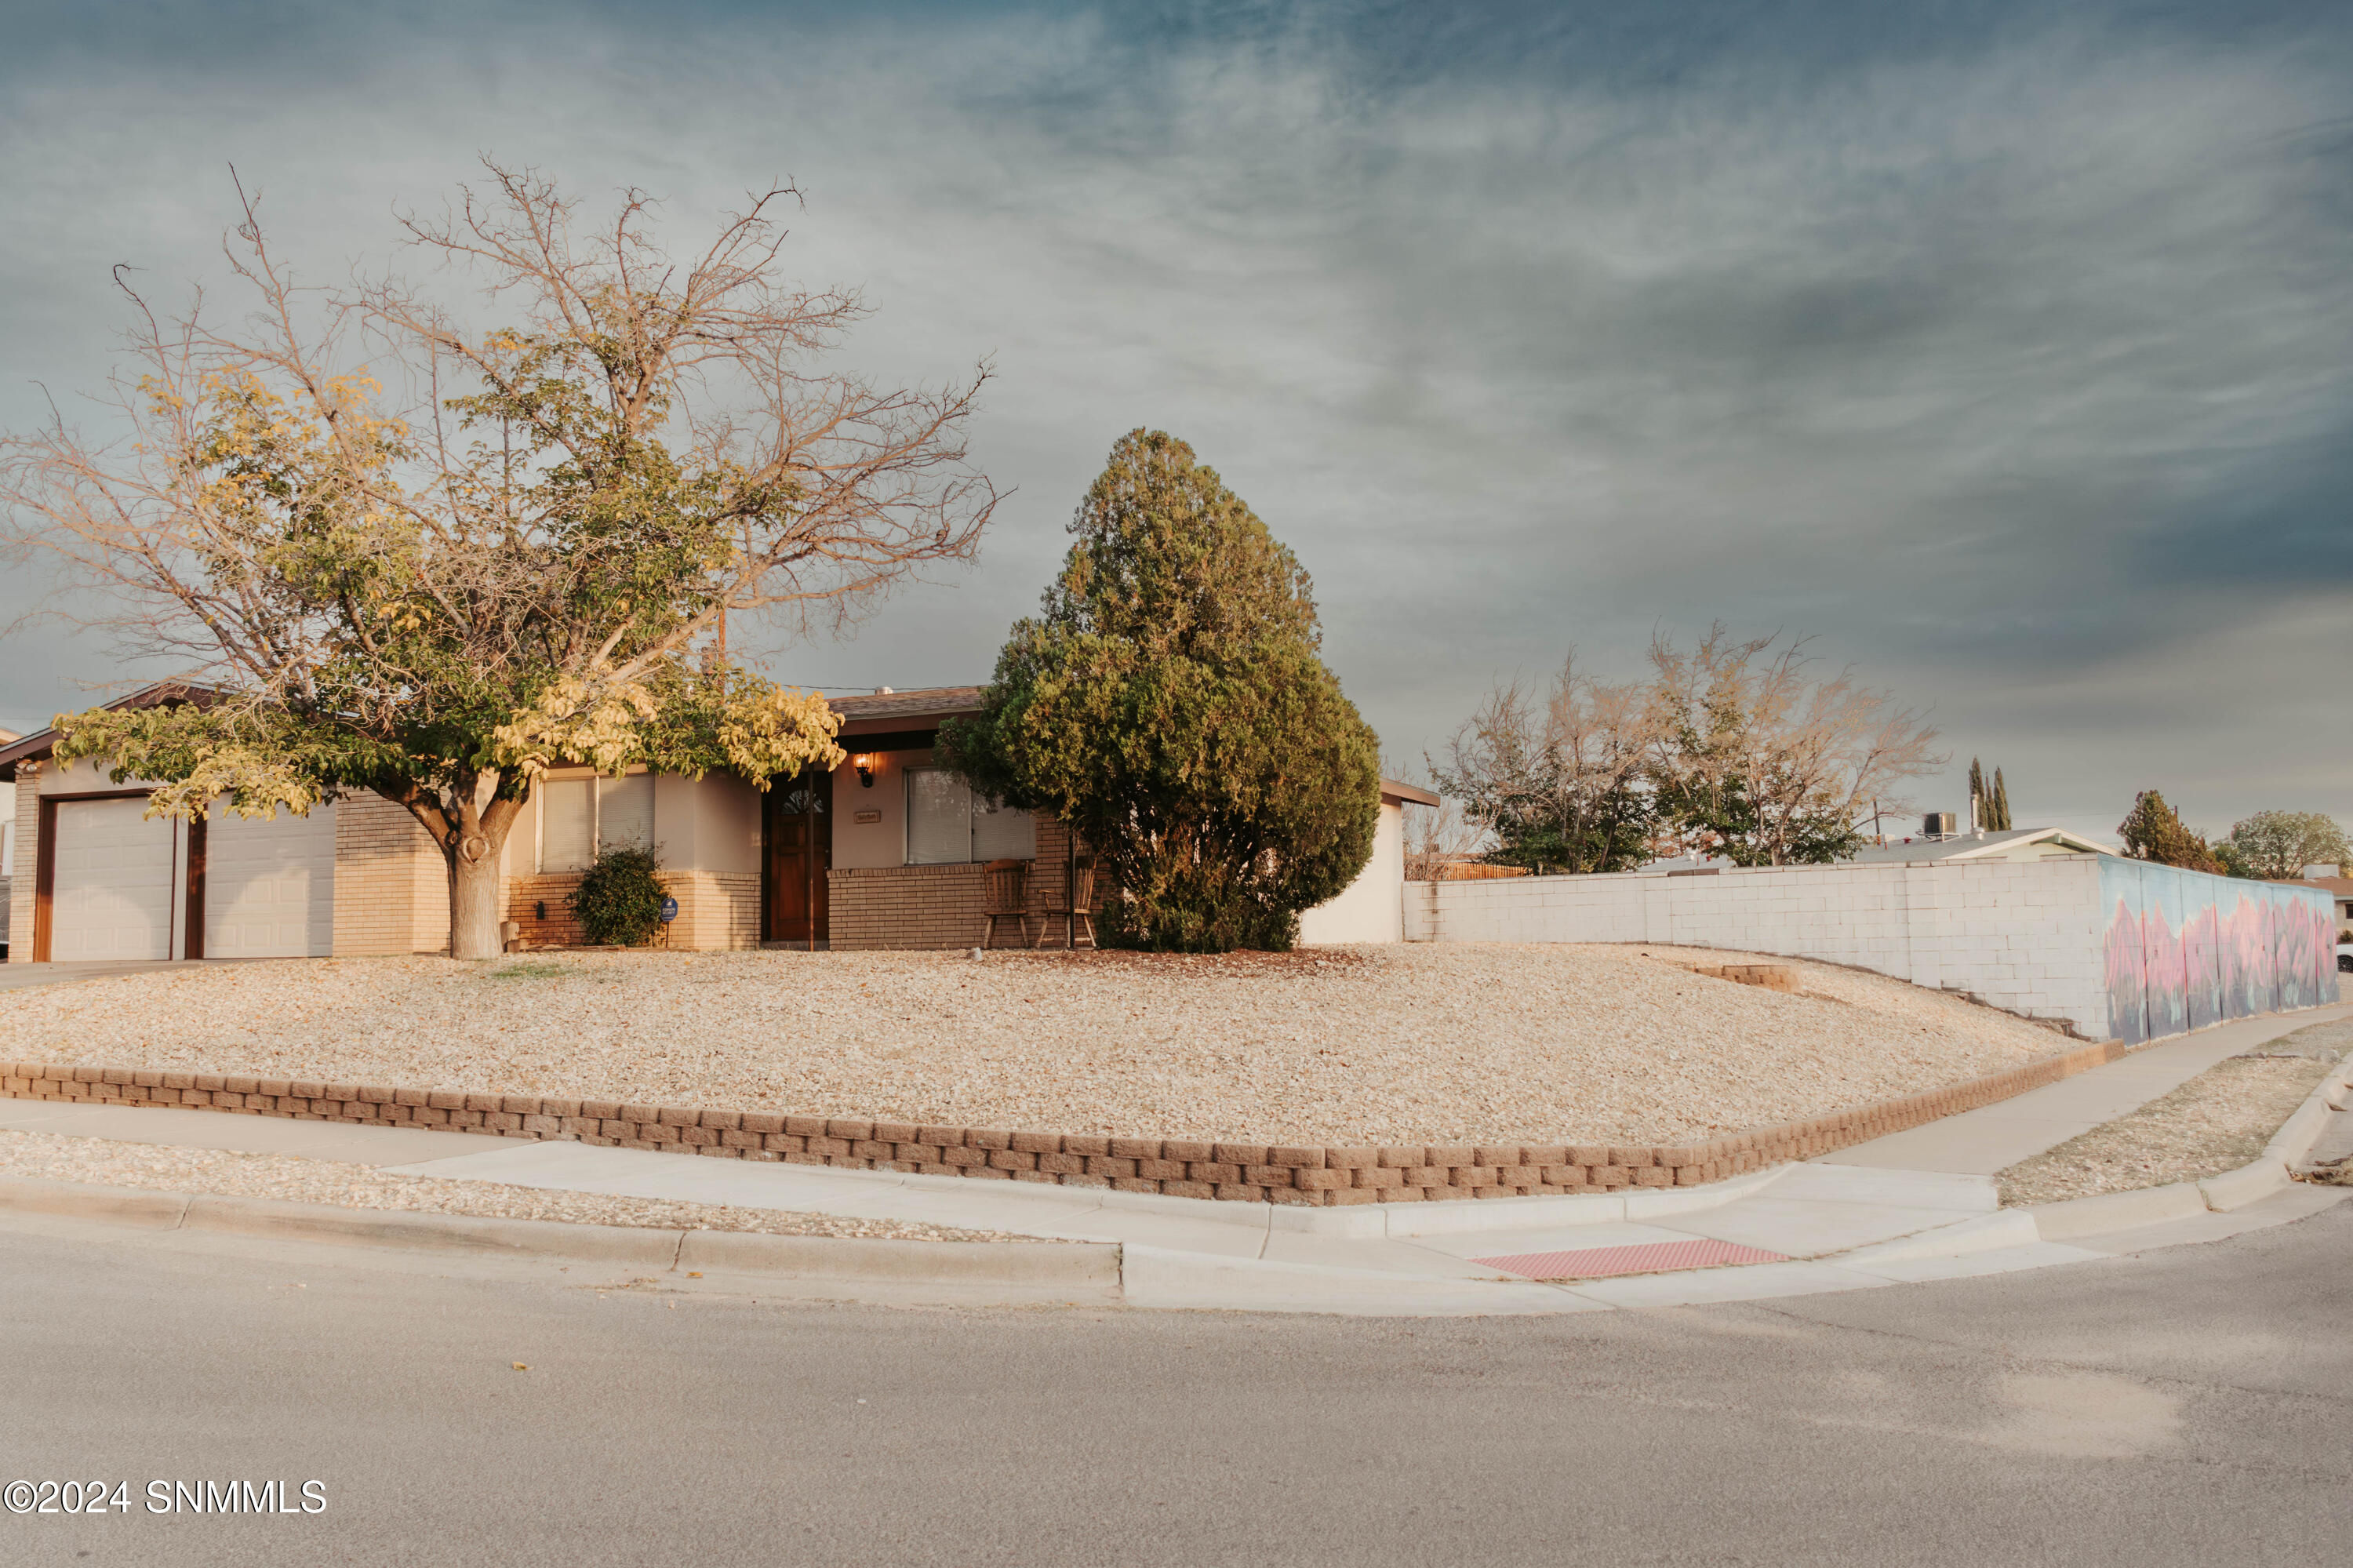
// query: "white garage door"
[[111, 896], [269, 885]]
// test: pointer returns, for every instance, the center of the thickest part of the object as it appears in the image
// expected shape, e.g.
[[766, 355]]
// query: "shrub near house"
[[618, 901]]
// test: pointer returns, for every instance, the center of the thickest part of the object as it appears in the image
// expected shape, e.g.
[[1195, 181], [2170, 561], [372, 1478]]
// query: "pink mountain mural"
[[2184, 950]]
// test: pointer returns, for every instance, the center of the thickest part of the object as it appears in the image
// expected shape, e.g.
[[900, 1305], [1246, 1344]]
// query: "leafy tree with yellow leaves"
[[437, 571]]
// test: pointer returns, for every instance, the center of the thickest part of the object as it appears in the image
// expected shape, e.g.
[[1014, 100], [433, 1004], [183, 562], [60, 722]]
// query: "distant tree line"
[[2272, 846], [1734, 747]]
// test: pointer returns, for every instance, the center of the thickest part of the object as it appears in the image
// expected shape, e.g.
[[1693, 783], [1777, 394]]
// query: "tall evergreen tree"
[[2151, 831], [1170, 704], [2001, 818], [1980, 801]]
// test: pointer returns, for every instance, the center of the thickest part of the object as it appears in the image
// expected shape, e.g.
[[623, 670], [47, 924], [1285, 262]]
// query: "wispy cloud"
[[2009, 355]]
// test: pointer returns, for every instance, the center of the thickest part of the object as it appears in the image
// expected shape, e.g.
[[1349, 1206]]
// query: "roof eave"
[[32, 748], [1411, 794]]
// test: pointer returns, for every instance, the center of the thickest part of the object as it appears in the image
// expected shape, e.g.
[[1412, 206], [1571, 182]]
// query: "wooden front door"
[[797, 834]]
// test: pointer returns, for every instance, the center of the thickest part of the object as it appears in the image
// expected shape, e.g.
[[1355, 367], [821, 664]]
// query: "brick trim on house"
[[717, 911], [872, 907], [392, 888], [1180, 1168]]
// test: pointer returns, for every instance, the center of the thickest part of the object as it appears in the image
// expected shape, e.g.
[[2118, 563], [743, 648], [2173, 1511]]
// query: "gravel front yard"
[[1417, 1044], [62, 1157], [2218, 1121]]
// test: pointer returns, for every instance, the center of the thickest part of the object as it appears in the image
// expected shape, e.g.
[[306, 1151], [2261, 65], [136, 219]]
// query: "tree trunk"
[[477, 906], [472, 824]]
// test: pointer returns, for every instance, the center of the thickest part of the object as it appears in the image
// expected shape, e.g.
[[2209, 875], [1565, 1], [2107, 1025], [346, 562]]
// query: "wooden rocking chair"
[[1005, 891], [1076, 907]]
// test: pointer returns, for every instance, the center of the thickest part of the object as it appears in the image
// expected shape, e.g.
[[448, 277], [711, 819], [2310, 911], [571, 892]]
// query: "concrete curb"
[[1979, 1233], [2274, 1170], [1090, 1266], [2247, 1184], [112, 1205], [2117, 1211], [281, 1221], [1094, 1265], [2250, 1183], [2300, 1132]]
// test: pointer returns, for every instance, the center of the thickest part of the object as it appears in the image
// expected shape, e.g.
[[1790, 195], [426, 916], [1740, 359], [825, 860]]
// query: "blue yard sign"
[[670, 909]]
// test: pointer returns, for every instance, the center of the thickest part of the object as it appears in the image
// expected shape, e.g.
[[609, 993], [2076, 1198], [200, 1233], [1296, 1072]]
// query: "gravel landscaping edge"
[[2275, 1171], [1173, 1167]]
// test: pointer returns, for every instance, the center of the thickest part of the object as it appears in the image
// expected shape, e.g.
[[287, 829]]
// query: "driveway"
[[16, 976], [2185, 1407]]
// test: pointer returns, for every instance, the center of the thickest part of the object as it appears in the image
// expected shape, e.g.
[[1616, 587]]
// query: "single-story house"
[[1982, 845], [2339, 889], [7, 845], [886, 851]]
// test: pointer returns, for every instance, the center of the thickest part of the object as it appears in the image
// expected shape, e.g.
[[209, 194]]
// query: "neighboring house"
[[886, 851], [2340, 890], [1982, 845]]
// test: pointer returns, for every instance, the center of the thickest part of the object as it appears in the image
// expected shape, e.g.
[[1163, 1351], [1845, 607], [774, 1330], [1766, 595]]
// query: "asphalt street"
[[2190, 1406]]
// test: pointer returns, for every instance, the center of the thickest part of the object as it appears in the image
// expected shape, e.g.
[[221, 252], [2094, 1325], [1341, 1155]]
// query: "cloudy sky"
[[2007, 350]]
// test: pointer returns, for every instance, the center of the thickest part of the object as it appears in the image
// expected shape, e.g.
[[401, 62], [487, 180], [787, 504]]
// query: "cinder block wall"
[[2020, 935]]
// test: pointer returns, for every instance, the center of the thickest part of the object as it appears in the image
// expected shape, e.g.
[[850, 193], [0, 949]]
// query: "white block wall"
[[1367, 909], [2022, 936]]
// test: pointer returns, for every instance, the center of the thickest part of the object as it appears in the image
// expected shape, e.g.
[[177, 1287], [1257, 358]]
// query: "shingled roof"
[[42, 742], [931, 702]]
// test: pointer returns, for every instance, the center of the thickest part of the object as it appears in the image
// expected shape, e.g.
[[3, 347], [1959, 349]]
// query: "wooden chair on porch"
[[1006, 897], [1074, 904]]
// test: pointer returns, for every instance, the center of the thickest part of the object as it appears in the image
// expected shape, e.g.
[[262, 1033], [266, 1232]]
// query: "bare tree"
[[1567, 786], [428, 558], [1437, 838], [1765, 763]]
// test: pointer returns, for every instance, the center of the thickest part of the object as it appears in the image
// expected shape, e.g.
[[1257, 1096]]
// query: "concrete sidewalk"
[[1917, 1205], [245, 1134], [1981, 1142]]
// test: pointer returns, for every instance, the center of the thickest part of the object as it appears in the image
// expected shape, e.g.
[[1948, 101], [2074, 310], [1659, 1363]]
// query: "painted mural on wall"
[[2184, 949]]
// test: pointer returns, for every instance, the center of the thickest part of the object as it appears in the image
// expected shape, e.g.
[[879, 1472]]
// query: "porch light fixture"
[[864, 763]]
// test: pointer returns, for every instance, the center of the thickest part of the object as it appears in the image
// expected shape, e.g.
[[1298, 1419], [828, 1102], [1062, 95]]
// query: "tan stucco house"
[[7, 844], [886, 851]]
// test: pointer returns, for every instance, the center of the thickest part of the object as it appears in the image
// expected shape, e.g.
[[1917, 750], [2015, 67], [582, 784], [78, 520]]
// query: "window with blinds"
[[625, 812], [567, 823], [947, 824], [580, 818]]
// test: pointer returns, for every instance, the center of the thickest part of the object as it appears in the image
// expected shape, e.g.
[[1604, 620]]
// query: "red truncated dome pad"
[[1650, 1257]]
